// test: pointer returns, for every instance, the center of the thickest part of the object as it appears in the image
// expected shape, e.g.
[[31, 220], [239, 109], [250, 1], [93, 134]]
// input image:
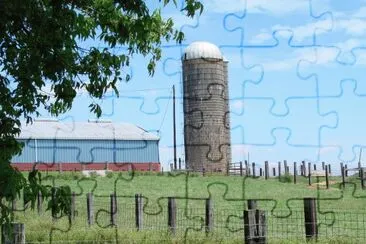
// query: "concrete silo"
[[206, 108]]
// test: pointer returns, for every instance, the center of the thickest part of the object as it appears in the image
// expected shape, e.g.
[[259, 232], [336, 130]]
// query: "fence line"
[[250, 224]]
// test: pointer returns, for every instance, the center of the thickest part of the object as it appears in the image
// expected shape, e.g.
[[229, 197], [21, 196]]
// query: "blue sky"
[[296, 80]]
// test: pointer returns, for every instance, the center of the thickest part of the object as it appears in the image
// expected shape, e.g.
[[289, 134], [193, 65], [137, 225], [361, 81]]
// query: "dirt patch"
[[322, 184]]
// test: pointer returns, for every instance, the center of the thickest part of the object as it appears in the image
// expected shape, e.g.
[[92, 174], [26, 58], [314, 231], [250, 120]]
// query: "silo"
[[206, 108]]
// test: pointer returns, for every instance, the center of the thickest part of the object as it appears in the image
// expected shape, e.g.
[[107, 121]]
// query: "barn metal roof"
[[202, 49], [53, 129]]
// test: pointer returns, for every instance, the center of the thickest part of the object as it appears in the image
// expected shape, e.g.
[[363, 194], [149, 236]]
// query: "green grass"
[[282, 202]]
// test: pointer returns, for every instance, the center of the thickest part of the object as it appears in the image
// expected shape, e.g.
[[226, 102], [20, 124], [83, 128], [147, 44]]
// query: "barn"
[[94, 145]]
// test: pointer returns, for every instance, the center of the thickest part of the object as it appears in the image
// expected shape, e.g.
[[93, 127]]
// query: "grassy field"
[[341, 213]]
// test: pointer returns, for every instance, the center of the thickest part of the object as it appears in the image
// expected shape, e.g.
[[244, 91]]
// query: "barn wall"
[[90, 151]]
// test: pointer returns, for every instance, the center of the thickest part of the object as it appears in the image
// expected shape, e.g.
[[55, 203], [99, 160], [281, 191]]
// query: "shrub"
[[109, 174], [69, 176], [93, 175], [286, 178]]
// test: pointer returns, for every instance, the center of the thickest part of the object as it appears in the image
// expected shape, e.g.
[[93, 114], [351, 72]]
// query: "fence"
[[310, 170], [251, 223]]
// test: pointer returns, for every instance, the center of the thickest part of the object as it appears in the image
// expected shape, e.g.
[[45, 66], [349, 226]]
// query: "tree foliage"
[[46, 57]]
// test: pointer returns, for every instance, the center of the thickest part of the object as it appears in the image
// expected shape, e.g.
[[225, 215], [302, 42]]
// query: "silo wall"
[[206, 110]]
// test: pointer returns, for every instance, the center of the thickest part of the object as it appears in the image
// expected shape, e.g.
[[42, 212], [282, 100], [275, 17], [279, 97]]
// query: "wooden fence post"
[[13, 233], [285, 166], [25, 205], [14, 205], [309, 173], [279, 170], [73, 205], [139, 203], [39, 203], [180, 163], [246, 168], [89, 208], [250, 228], [252, 204], [329, 169], [172, 215], [343, 176], [266, 170], [304, 168], [326, 177], [113, 209], [253, 171], [341, 167], [260, 172], [314, 167], [241, 168], [295, 172], [209, 216], [53, 208], [311, 227], [274, 172], [323, 165], [362, 180], [150, 167], [255, 226], [346, 170]]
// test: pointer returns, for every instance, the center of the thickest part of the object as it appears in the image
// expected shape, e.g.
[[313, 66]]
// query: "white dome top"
[[202, 50]]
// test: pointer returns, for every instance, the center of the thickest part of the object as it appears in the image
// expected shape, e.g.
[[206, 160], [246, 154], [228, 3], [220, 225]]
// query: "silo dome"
[[206, 108], [202, 50]]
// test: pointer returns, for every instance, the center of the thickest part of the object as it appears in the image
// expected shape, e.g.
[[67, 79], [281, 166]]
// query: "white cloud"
[[239, 152], [320, 56], [327, 150], [276, 7], [273, 7], [349, 44], [181, 20], [261, 38], [325, 55], [279, 65], [226, 6], [353, 26], [300, 32], [361, 13], [238, 104]]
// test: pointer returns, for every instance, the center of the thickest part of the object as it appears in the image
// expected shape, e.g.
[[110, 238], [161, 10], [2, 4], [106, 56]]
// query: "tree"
[[41, 45]]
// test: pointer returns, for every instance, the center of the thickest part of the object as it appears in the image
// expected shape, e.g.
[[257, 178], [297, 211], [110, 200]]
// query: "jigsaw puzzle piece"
[[336, 201], [306, 122], [247, 130], [248, 31], [117, 150], [347, 30], [288, 212], [350, 124], [279, 81], [240, 66], [324, 66], [245, 126], [46, 149], [281, 148], [154, 208]]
